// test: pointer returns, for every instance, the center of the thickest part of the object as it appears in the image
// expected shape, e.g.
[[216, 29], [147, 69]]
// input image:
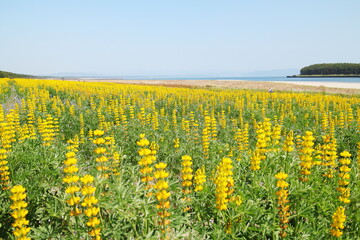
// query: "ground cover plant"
[[111, 161]]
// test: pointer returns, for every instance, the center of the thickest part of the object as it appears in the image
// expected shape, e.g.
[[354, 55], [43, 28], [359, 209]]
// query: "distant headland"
[[4, 74], [329, 70]]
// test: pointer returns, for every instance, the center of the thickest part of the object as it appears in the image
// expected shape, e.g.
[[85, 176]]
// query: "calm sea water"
[[349, 80]]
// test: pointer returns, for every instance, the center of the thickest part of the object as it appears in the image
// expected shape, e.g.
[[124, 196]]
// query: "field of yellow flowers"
[[112, 161]]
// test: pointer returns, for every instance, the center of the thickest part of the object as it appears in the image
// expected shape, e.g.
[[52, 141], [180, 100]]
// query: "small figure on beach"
[[270, 90]]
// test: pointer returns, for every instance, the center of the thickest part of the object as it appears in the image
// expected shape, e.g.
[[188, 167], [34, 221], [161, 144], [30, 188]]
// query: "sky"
[[176, 38]]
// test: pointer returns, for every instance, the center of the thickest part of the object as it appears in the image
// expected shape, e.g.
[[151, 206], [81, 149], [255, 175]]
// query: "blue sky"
[[156, 38]]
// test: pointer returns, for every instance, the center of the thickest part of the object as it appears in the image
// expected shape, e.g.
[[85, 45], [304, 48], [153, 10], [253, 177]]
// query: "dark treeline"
[[331, 68], [4, 74]]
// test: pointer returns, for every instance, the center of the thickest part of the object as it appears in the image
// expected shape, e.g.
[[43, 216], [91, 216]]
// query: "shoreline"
[[324, 76]]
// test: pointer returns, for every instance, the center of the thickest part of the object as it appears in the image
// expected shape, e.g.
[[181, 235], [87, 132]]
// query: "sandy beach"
[[296, 86], [325, 84]]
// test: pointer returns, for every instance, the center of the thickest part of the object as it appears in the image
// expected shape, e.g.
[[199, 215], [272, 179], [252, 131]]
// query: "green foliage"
[[4, 74], [332, 68]]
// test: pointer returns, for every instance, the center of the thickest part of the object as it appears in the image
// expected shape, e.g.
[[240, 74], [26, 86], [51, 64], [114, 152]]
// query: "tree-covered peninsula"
[[330, 70], [4, 74]]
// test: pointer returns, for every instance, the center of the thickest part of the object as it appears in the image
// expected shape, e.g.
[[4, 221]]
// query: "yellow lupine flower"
[[98, 132], [99, 141], [19, 232], [187, 170], [18, 204], [345, 154], [281, 176], [93, 222], [345, 161], [17, 189], [161, 174], [70, 161], [282, 194], [186, 158], [19, 213], [161, 165], [163, 205], [199, 179], [19, 222], [88, 190], [70, 154], [144, 152], [73, 200], [94, 232], [162, 195], [89, 201], [282, 184], [92, 211], [71, 169], [18, 196], [72, 189], [161, 184], [339, 219], [71, 179], [146, 170], [344, 168], [147, 179], [100, 150], [143, 142], [102, 159], [87, 179]]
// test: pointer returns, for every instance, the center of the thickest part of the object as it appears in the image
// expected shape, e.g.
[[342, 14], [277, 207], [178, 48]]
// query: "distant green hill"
[[331, 69], [4, 74]]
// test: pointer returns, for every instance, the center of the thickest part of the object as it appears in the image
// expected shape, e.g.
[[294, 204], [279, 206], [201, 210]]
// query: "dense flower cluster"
[[7, 133], [162, 195], [275, 136], [19, 213], [306, 157], [339, 219], [101, 151], [4, 170], [89, 203], [256, 160], [82, 128], [47, 129], [358, 156], [328, 155], [344, 177], [289, 142], [199, 179], [213, 125], [283, 201], [186, 174], [224, 183], [176, 143], [242, 137], [115, 163], [263, 133], [206, 136], [71, 178], [148, 157]]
